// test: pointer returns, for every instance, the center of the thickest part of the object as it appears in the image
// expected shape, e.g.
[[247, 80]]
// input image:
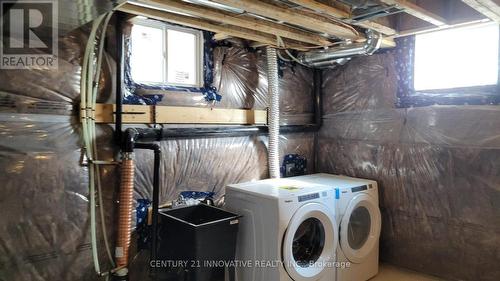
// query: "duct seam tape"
[[119, 252]]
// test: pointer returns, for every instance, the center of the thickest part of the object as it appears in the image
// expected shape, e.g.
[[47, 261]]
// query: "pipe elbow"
[[373, 42], [130, 136]]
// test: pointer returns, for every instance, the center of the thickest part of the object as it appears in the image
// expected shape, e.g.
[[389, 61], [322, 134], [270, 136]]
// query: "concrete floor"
[[392, 273]]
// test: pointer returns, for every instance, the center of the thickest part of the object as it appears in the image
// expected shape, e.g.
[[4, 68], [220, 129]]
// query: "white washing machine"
[[359, 219], [288, 230]]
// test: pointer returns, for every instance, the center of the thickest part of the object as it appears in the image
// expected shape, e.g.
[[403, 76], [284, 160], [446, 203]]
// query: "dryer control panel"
[[308, 197]]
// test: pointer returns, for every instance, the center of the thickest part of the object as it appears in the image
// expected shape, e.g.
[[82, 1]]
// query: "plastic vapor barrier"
[[437, 167], [45, 225], [240, 78]]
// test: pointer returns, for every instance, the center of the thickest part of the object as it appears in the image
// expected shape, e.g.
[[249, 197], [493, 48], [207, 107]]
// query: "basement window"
[[450, 67], [457, 58], [165, 55]]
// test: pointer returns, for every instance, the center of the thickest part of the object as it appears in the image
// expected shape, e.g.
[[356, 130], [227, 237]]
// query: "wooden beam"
[[233, 31], [221, 36], [423, 30], [489, 8], [281, 14], [244, 21], [377, 27], [149, 114], [417, 11], [388, 43], [343, 15], [132, 114], [322, 8]]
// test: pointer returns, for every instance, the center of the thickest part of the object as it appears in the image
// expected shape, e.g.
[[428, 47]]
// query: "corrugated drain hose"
[[273, 112], [125, 210]]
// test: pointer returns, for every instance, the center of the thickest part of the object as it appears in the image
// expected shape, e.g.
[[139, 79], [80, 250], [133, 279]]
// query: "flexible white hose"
[[89, 88], [273, 113], [93, 137], [85, 99]]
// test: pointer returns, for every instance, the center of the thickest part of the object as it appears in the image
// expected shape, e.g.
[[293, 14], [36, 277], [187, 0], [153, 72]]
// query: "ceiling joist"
[[188, 21], [244, 21], [423, 30], [302, 24], [489, 8], [322, 8], [343, 15], [417, 11], [289, 16]]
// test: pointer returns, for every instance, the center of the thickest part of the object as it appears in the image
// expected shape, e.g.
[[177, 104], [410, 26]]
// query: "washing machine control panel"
[[307, 197]]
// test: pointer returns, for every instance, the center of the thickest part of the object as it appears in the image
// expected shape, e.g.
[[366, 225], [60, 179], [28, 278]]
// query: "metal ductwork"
[[341, 54], [361, 4]]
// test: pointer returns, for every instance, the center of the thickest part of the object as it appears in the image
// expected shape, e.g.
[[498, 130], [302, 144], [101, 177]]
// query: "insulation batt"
[[438, 169], [45, 226]]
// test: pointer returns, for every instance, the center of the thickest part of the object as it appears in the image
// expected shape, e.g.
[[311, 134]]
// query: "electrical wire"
[[280, 42]]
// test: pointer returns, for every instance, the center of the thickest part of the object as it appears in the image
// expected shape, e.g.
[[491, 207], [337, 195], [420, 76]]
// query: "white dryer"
[[288, 230], [359, 219]]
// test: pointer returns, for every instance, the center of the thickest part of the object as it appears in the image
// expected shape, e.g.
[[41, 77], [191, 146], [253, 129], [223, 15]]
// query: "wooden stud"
[[241, 21], [417, 11], [281, 14], [148, 114], [489, 8], [234, 31]]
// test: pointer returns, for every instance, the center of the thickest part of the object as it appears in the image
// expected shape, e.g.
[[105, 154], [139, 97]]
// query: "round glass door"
[[309, 243], [360, 228]]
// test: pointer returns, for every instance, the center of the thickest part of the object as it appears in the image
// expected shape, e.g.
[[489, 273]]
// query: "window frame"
[[199, 52], [409, 97]]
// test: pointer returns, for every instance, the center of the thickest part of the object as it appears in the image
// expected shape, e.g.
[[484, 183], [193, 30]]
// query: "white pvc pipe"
[[273, 112]]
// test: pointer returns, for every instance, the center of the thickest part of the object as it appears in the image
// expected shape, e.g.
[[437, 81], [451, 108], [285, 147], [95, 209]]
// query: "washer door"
[[310, 242], [360, 228]]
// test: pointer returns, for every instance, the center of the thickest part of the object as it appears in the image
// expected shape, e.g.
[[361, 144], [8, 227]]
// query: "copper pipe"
[[125, 210]]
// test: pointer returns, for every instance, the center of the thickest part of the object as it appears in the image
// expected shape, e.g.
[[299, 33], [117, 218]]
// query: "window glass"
[[166, 55], [183, 57], [457, 58], [147, 59]]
